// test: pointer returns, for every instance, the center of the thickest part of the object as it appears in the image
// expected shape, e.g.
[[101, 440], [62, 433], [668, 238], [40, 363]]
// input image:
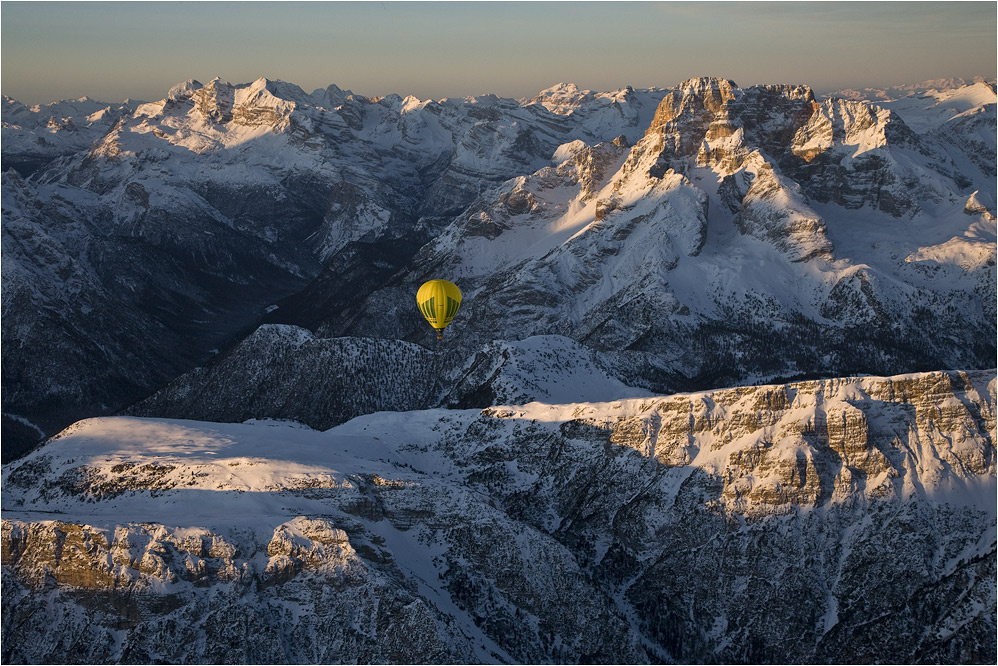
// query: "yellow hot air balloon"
[[439, 301]]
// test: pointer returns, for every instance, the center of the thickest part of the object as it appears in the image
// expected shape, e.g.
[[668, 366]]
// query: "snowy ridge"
[[547, 369], [935, 108], [892, 93], [36, 135], [854, 500], [286, 372]]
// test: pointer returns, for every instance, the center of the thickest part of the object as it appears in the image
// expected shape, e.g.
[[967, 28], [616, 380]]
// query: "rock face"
[[310, 563], [844, 520]]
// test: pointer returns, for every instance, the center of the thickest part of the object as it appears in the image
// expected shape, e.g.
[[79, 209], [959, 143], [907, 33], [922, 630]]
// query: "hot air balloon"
[[439, 301]]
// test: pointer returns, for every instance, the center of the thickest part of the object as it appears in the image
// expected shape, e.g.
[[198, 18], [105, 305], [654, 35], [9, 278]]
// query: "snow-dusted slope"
[[791, 523], [955, 116], [893, 93], [602, 115], [34, 136], [286, 372], [933, 108]]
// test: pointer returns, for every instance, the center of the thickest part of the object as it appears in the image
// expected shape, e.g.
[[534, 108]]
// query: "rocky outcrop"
[[838, 151], [773, 210], [825, 442], [156, 594], [846, 150]]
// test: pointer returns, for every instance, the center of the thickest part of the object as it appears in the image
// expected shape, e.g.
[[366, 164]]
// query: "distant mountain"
[[893, 93], [689, 238], [34, 136], [830, 521]]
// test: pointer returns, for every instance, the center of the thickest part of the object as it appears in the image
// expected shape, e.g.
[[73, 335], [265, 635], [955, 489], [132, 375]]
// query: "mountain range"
[[721, 388], [694, 237]]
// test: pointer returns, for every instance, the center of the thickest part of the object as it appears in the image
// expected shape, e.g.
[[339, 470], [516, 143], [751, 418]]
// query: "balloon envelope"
[[439, 301]]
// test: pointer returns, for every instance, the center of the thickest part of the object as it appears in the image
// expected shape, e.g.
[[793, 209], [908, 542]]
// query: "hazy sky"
[[113, 50]]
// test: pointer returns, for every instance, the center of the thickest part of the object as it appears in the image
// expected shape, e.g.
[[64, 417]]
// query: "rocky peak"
[[331, 96], [392, 101], [562, 99], [267, 103], [278, 89], [794, 91], [708, 122], [862, 135], [773, 209], [839, 122], [593, 165], [14, 113], [696, 99], [184, 91], [262, 102], [715, 109], [771, 115], [214, 101], [976, 206], [683, 120]]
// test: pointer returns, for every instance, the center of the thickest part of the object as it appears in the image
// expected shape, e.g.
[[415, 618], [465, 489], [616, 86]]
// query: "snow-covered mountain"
[[176, 223], [34, 136], [298, 472], [893, 93], [830, 521], [751, 234], [690, 238]]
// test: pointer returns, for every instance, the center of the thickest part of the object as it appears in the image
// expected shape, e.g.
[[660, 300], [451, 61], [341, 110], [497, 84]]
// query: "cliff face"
[[846, 520]]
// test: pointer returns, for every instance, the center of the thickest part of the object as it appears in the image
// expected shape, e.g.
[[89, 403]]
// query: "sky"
[[116, 50]]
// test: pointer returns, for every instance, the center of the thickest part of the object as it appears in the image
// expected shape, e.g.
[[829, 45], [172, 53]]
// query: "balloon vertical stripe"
[[439, 301]]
